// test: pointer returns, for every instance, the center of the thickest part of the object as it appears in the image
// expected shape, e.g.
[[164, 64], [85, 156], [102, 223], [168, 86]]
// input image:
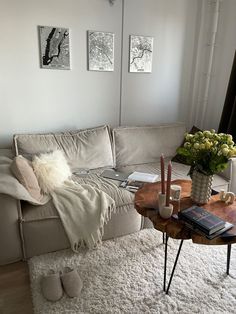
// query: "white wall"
[[38, 100], [160, 96]]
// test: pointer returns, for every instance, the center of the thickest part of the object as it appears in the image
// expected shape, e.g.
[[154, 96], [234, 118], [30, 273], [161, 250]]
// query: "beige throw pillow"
[[23, 171]]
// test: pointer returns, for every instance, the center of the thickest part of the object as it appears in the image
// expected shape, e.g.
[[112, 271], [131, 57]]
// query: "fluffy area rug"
[[125, 275]]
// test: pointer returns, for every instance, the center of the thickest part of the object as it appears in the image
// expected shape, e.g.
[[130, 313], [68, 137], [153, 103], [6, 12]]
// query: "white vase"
[[201, 187]]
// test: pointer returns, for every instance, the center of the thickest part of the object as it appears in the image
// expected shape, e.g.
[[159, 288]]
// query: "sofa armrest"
[[10, 242], [230, 174]]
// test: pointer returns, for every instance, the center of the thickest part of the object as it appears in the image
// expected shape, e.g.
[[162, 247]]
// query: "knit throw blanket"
[[83, 209]]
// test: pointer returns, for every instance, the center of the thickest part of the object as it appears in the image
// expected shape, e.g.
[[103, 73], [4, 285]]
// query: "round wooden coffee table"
[[146, 204]]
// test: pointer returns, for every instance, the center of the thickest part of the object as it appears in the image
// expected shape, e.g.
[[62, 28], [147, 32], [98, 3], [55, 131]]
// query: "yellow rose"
[[199, 133], [224, 146], [208, 145], [189, 136], [187, 144], [232, 153], [225, 151], [207, 133]]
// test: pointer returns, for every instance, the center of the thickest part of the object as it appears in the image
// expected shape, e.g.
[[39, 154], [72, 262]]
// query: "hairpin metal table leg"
[[228, 258], [165, 261], [173, 270]]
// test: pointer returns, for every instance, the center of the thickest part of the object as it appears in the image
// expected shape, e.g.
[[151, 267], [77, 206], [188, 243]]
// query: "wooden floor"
[[15, 295]]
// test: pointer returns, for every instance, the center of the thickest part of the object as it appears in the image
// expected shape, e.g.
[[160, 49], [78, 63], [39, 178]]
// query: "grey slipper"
[[51, 287], [71, 282]]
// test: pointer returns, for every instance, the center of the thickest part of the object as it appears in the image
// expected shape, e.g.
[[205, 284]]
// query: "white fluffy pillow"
[[51, 170]]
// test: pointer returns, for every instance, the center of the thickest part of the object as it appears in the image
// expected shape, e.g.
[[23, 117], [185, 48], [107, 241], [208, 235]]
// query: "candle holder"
[[175, 196], [175, 192], [166, 211], [161, 200]]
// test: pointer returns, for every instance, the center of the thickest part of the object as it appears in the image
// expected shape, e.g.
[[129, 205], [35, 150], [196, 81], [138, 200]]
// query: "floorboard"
[[15, 295]]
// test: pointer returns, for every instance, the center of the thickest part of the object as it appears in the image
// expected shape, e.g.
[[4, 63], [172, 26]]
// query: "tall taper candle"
[[168, 184], [162, 174]]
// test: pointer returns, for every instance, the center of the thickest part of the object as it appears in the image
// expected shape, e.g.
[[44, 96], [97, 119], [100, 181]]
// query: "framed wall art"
[[54, 47], [140, 54], [100, 51]]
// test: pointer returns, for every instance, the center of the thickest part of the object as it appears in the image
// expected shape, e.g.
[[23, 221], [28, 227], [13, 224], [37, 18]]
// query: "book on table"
[[136, 180], [222, 232], [142, 177], [201, 219]]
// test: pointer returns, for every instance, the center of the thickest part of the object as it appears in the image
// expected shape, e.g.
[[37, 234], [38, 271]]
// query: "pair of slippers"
[[53, 284]]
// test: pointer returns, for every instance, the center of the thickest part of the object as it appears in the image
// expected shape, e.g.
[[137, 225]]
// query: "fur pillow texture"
[[51, 169]]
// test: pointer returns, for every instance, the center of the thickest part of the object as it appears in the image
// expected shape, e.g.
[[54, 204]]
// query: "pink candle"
[[168, 184], [162, 174]]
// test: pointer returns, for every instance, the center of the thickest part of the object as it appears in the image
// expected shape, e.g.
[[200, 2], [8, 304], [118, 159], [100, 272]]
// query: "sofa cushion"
[[122, 197], [89, 148], [137, 145], [47, 235], [23, 171]]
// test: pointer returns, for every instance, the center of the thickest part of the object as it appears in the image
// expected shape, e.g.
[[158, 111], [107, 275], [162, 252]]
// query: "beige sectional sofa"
[[27, 230]]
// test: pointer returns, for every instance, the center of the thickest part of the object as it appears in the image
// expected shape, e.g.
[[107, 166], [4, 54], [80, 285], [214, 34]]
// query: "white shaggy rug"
[[125, 275]]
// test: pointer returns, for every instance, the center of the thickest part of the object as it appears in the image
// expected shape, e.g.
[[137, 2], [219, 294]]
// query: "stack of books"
[[204, 222]]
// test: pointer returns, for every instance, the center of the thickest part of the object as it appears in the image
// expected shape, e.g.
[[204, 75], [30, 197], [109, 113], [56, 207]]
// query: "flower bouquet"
[[207, 153]]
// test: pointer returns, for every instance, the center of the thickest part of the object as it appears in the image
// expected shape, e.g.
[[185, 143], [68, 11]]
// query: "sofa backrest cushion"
[[144, 144], [89, 148]]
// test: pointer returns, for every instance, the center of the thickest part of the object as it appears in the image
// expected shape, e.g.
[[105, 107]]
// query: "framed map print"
[[140, 54], [100, 51], [54, 47]]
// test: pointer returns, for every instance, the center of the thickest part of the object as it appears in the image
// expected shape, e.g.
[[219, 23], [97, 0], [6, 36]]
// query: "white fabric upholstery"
[[89, 148], [137, 145]]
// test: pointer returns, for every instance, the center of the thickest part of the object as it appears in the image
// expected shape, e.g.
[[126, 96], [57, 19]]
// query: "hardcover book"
[[202, 219], [220, 232]]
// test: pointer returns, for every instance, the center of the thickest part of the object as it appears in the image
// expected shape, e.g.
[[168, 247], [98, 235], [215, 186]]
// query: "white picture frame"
[[54, 47], [140, 54], [100, 51]]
